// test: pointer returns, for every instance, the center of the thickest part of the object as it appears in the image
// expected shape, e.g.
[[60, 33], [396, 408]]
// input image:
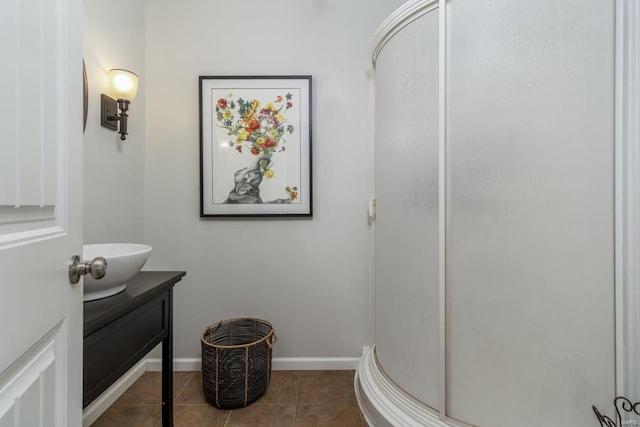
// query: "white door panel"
[[30, 388], [40, 212]]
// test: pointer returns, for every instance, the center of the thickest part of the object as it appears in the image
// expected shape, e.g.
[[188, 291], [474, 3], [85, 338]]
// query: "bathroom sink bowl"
[[124, 260]]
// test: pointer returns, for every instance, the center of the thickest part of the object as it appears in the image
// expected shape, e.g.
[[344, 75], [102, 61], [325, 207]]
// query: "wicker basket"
[[236, 361]]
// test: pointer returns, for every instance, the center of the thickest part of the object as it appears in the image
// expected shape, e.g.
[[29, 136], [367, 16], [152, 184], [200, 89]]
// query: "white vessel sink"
[[124, 260]]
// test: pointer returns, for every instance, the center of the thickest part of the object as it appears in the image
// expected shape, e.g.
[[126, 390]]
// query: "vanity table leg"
[[167, 369]]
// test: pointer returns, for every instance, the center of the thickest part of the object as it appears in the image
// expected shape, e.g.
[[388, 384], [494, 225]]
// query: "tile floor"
[[294, 398]]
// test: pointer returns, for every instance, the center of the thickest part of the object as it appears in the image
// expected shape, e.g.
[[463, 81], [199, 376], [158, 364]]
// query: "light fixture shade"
[[124, 84]]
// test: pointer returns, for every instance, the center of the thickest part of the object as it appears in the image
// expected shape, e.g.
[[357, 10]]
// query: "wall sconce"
[[123, 86]]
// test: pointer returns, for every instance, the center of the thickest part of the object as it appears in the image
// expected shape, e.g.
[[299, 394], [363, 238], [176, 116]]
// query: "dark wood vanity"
[[120, 330]]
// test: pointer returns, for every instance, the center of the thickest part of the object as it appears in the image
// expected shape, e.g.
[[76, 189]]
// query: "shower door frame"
[[627, 198]]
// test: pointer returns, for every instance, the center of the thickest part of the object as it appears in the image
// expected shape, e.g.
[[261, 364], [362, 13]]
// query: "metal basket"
[[236, 361]]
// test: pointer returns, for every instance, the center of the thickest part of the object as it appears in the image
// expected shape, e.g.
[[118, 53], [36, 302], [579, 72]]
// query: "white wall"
[[308, 277], [114, 190]]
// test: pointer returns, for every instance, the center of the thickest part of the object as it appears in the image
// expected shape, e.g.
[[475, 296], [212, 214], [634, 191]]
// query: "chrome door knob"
[[96, 267]]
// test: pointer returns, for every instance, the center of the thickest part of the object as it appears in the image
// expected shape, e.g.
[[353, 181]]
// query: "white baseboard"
[[110, 395], [183, 364], [315, 363], [279, 364]]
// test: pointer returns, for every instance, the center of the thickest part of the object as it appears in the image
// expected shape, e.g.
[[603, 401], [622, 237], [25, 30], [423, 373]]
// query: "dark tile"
[[202, 415], [328, 415], [129, 416], [147, 390], [192, 391], [326, 387], [283, 388], [284, 379], [263, 415], [323, 398]]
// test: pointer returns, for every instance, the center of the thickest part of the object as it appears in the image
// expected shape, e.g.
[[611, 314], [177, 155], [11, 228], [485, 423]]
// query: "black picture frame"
[[255, 146]]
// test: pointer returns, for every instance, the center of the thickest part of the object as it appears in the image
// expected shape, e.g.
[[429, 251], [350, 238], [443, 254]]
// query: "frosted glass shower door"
[[406, 227], [530, 211]]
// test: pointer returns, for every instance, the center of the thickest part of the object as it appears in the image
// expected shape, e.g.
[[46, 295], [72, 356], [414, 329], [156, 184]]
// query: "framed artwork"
[[255, 146]]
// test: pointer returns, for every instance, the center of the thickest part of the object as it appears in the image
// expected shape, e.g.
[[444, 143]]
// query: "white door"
[[40, 212]]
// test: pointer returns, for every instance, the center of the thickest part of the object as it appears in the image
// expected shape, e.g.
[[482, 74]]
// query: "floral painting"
[[255, 146]]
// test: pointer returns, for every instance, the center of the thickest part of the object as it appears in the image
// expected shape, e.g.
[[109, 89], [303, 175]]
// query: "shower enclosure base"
[[384, 404]]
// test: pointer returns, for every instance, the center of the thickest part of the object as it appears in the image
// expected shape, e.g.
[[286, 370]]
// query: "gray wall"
[[308, 277], [114, 182]]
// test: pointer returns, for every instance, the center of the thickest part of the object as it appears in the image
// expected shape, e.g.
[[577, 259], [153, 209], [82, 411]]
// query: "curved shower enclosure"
[[494, 261]]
